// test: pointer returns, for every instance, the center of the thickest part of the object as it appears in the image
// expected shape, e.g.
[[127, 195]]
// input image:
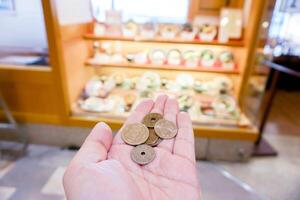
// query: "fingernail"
[[184, 113], [103, 125]]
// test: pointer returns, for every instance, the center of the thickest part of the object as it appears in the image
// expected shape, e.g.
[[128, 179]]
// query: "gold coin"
[[165, 129], [153, 138], [157, 142], [135, 134], [142, 154], [150, 119]]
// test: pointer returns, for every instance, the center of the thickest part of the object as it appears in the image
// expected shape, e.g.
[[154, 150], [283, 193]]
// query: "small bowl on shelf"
[[188, 32], [225, 106], [157, 57], [95, 104], [150, 81], [148, 30], [168, 31], [207, 58], [174, 57], [207, 32], [227, 60], [185, 102], [92, 87], [130, 29], [223, 84], [185, 81], [191, 58]]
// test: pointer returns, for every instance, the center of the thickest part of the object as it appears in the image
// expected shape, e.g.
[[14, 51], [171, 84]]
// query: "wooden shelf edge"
[[235, 133], [206, 130], [165, 67], [25, 67], [233, 43], [221, 132], [23, 51], [26, 117]]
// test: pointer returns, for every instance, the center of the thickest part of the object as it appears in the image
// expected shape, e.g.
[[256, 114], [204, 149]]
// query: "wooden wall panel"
[[75, 54], [30, 93], [30, 97]]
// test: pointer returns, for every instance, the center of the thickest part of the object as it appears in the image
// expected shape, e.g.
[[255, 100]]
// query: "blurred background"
[[233, 65]]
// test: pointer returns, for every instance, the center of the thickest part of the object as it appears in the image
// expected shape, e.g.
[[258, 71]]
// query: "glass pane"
[[144, 10], [23, 39], [257, 86]]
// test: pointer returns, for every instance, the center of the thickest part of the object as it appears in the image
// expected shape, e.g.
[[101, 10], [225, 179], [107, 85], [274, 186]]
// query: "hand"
[[103, 169]]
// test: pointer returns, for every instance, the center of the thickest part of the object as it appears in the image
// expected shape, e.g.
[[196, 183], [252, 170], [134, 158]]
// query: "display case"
[[107, 68]]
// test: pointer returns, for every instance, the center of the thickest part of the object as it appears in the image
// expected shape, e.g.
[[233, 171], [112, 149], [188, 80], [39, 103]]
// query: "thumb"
[[96, 145]]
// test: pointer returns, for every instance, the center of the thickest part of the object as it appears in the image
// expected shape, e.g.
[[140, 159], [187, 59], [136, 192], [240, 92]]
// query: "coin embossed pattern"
[[150, 119], [142, 154], [165, 129], [135, 134], [146, 135]]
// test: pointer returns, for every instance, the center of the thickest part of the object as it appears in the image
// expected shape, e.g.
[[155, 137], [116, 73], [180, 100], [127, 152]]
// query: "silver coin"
[[142, 154], [165, 129]]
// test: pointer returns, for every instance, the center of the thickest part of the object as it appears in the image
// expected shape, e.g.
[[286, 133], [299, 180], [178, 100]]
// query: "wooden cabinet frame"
[[69, 51]]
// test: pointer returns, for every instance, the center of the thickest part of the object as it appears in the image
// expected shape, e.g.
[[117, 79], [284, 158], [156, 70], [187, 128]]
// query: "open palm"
[[103, 169]]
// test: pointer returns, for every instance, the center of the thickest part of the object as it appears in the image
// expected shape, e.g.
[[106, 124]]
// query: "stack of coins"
[[146, 135]]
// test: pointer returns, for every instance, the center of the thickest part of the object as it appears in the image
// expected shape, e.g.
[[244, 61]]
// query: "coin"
[[142, 154], [157, 142], [150, 119], [165, 129], [153, 138], [135, 134]]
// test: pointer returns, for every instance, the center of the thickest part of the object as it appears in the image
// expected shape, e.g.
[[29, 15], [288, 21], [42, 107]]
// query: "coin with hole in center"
[[142, 154], [165, 129], [135, 134], [150, 119], [153, 138]]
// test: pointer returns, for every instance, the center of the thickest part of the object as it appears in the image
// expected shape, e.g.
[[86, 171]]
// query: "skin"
[[103, 169]]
